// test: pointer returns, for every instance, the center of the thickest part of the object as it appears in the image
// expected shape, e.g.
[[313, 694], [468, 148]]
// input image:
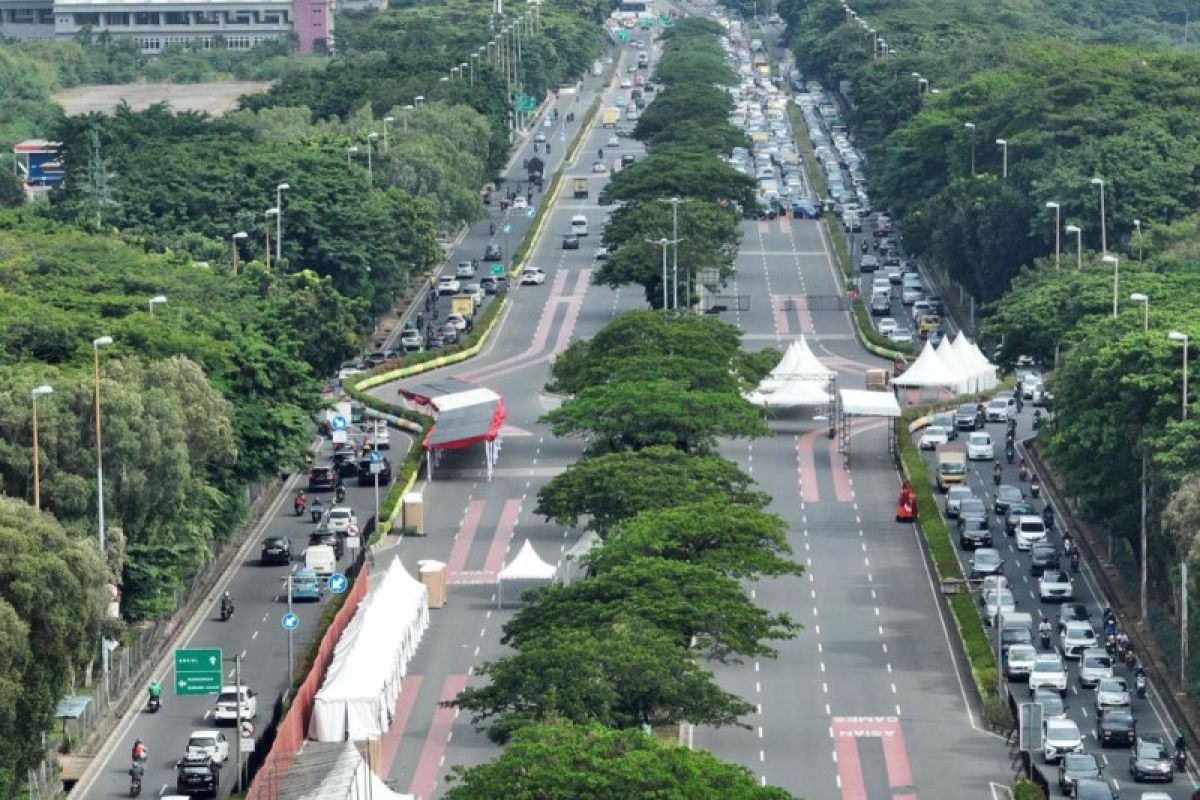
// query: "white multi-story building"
[[156, 24]]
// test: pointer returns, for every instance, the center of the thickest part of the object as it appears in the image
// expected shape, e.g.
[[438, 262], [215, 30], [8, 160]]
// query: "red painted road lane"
[[806, 466], [574, 303], [846, 733], [429, 765], [785, 223], [778, 314], [504, 534], [540, 336], [409, 686], [464, 540]]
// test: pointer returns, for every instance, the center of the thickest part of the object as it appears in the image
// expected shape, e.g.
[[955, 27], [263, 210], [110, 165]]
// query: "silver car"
[[1112, 693], [954, 499], [1094, 665]]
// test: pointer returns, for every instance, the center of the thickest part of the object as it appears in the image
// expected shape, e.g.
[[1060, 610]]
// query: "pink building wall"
[[313, 20]]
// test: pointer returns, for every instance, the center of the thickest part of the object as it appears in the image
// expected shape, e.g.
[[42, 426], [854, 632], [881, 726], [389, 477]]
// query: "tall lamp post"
[[1144, 299], [1103, 224], [1176, 336], [387, 123], [1057, 233], [1004, 156], [1137, 226], [371, 138], [664, 243], [675, 203], [279, 190], [1075, 229], [1116, 262], [157, 300], [350, 151], [233, 247], [37, 473], [103, 341], [971, 127]]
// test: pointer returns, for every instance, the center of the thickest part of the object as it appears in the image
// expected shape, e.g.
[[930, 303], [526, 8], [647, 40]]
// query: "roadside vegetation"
[[1087, 100]]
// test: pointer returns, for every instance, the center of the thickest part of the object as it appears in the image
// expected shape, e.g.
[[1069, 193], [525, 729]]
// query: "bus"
[[629, 12]]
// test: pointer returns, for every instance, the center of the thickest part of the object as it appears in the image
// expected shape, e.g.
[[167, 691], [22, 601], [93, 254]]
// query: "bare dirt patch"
[[215, 98]]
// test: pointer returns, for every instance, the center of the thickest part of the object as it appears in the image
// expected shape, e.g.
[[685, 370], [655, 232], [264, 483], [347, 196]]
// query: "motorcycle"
[[1035, 488], [997, 475], [226, 608], [339, 494], [1037, 420], [1140, 685], [298, 506], [1010, 454], [135, 783], [1110, 644], [1048, 519], [1044, 634], [1075, 561], [153, 705], [1130, 657], [316, 512], [1180, 759], [1023, 473]]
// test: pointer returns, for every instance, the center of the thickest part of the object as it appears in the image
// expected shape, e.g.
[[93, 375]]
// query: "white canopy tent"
[[527, 567], [362, 684], [334, 772], [968, 353], [863, 403], [928, 372], [571, 569], [966, 373], [798, 380]]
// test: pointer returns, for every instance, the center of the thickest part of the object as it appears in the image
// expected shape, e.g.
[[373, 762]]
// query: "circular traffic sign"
[[338, 423], [290, 621], [338, 583], [247, 729]]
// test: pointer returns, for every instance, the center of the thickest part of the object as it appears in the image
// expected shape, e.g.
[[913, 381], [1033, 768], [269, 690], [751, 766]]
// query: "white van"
[[579, 225], [321, 560]]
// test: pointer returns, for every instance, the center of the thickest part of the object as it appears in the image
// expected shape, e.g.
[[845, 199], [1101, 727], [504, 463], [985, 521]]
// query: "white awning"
[[864, 403], [528, 567]]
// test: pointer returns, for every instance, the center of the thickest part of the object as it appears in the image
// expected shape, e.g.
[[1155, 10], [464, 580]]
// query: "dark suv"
[[366, 478], [197, 775], [321, 479], [276, 550], [493, 253]]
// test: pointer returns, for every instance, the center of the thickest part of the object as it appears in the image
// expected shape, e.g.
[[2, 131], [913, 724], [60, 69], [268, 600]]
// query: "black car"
[[367, 478], [1006, 495], [973, 531], [324, 535], [570, 242], [343, 464], [967, 416], [276, 550], [1117, 728], [1094, 789], [936, 305], [1015, 510], [1075, 766], [197, 775], [493, 252], [1042, 557], [1072, 612], [627, 160], [321, 479], [1150, 759]]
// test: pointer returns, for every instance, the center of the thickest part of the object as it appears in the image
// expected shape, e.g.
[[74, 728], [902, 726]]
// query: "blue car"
[[305, 585], [804, 211]]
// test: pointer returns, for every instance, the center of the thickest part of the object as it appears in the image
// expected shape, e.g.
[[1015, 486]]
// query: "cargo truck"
[[609, 117], [951, 467], [580, 186]]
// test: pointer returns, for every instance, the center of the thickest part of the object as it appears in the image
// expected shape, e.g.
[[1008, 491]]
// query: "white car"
[[613, 141], [980, 447], [901, 336], [447, 284], [993, 582], [1059, 737], [626, 83], [1018, 661], [1076, 637], [1029, 531], [520, 202], [1049, 672], [465, 269], [1001, 409], [1094, 665], [340, 519], [997, 602], [1112, 693], [212, 744], [532, 276], [599, 167], [887, 325], [932, 436], [912, 293], [227, 706], [1055, 585], [458, 321]]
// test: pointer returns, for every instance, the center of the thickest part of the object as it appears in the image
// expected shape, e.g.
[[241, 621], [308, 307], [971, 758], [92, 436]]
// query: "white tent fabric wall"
[[968, 352], [928, 371], [362, 684], [526, 568], [964, 372], [571, 570], [347, 778], [800, 379]]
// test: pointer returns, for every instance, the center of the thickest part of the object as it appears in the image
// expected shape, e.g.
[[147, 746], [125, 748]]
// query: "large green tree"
[[613, 487], [621, 675], [568, 762], [674, 171], [691, 603]]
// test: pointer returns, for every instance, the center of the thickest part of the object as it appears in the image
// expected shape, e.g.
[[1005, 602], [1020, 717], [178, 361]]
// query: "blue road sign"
[[338, 423], [529, 212], [507, 228], [290, 622], [338, 583], [376, 456]]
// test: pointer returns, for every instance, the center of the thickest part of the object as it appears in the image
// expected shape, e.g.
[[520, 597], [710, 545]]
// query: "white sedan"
[[1055, 585], [458, 321], [887, 325], [901, 336], [932, 437], [532, 276], [1059, 737], [613, 141], [520, 202], [980, 447], [1029, 530], [1049, 672], [340, 519], [208, 743]]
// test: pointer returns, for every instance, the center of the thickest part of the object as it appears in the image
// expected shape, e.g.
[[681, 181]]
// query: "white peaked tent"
[[928, 371], [371, 657], [964, 372], [799, 379], [335, 774], [571, 570], [527, 567], [968, 353]]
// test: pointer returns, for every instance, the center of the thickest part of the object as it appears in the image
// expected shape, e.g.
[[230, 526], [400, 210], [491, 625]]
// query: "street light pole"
[[1075, 229], [103, 341], [236, 236], [1137, 226], [1103, 224], [270, 212], [157, 300], [279, 190], [675, 203], [351, 150], [371, 138], [1004, 155], [387, 123], [37, 476], [971, 127], [1138, 297], [1057, 233], [663, 243], [1116, 262]]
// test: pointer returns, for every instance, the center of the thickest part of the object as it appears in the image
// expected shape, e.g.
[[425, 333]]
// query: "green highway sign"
[[623, 36], [497, 269], [665, 22], [197, 672], [525, 102], [646, 23]]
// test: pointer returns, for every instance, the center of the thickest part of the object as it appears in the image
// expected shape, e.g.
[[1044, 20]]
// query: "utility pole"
[[237, 682]]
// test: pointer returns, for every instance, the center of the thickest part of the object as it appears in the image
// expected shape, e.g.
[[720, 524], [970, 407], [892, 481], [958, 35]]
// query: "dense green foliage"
[[566, 762]]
